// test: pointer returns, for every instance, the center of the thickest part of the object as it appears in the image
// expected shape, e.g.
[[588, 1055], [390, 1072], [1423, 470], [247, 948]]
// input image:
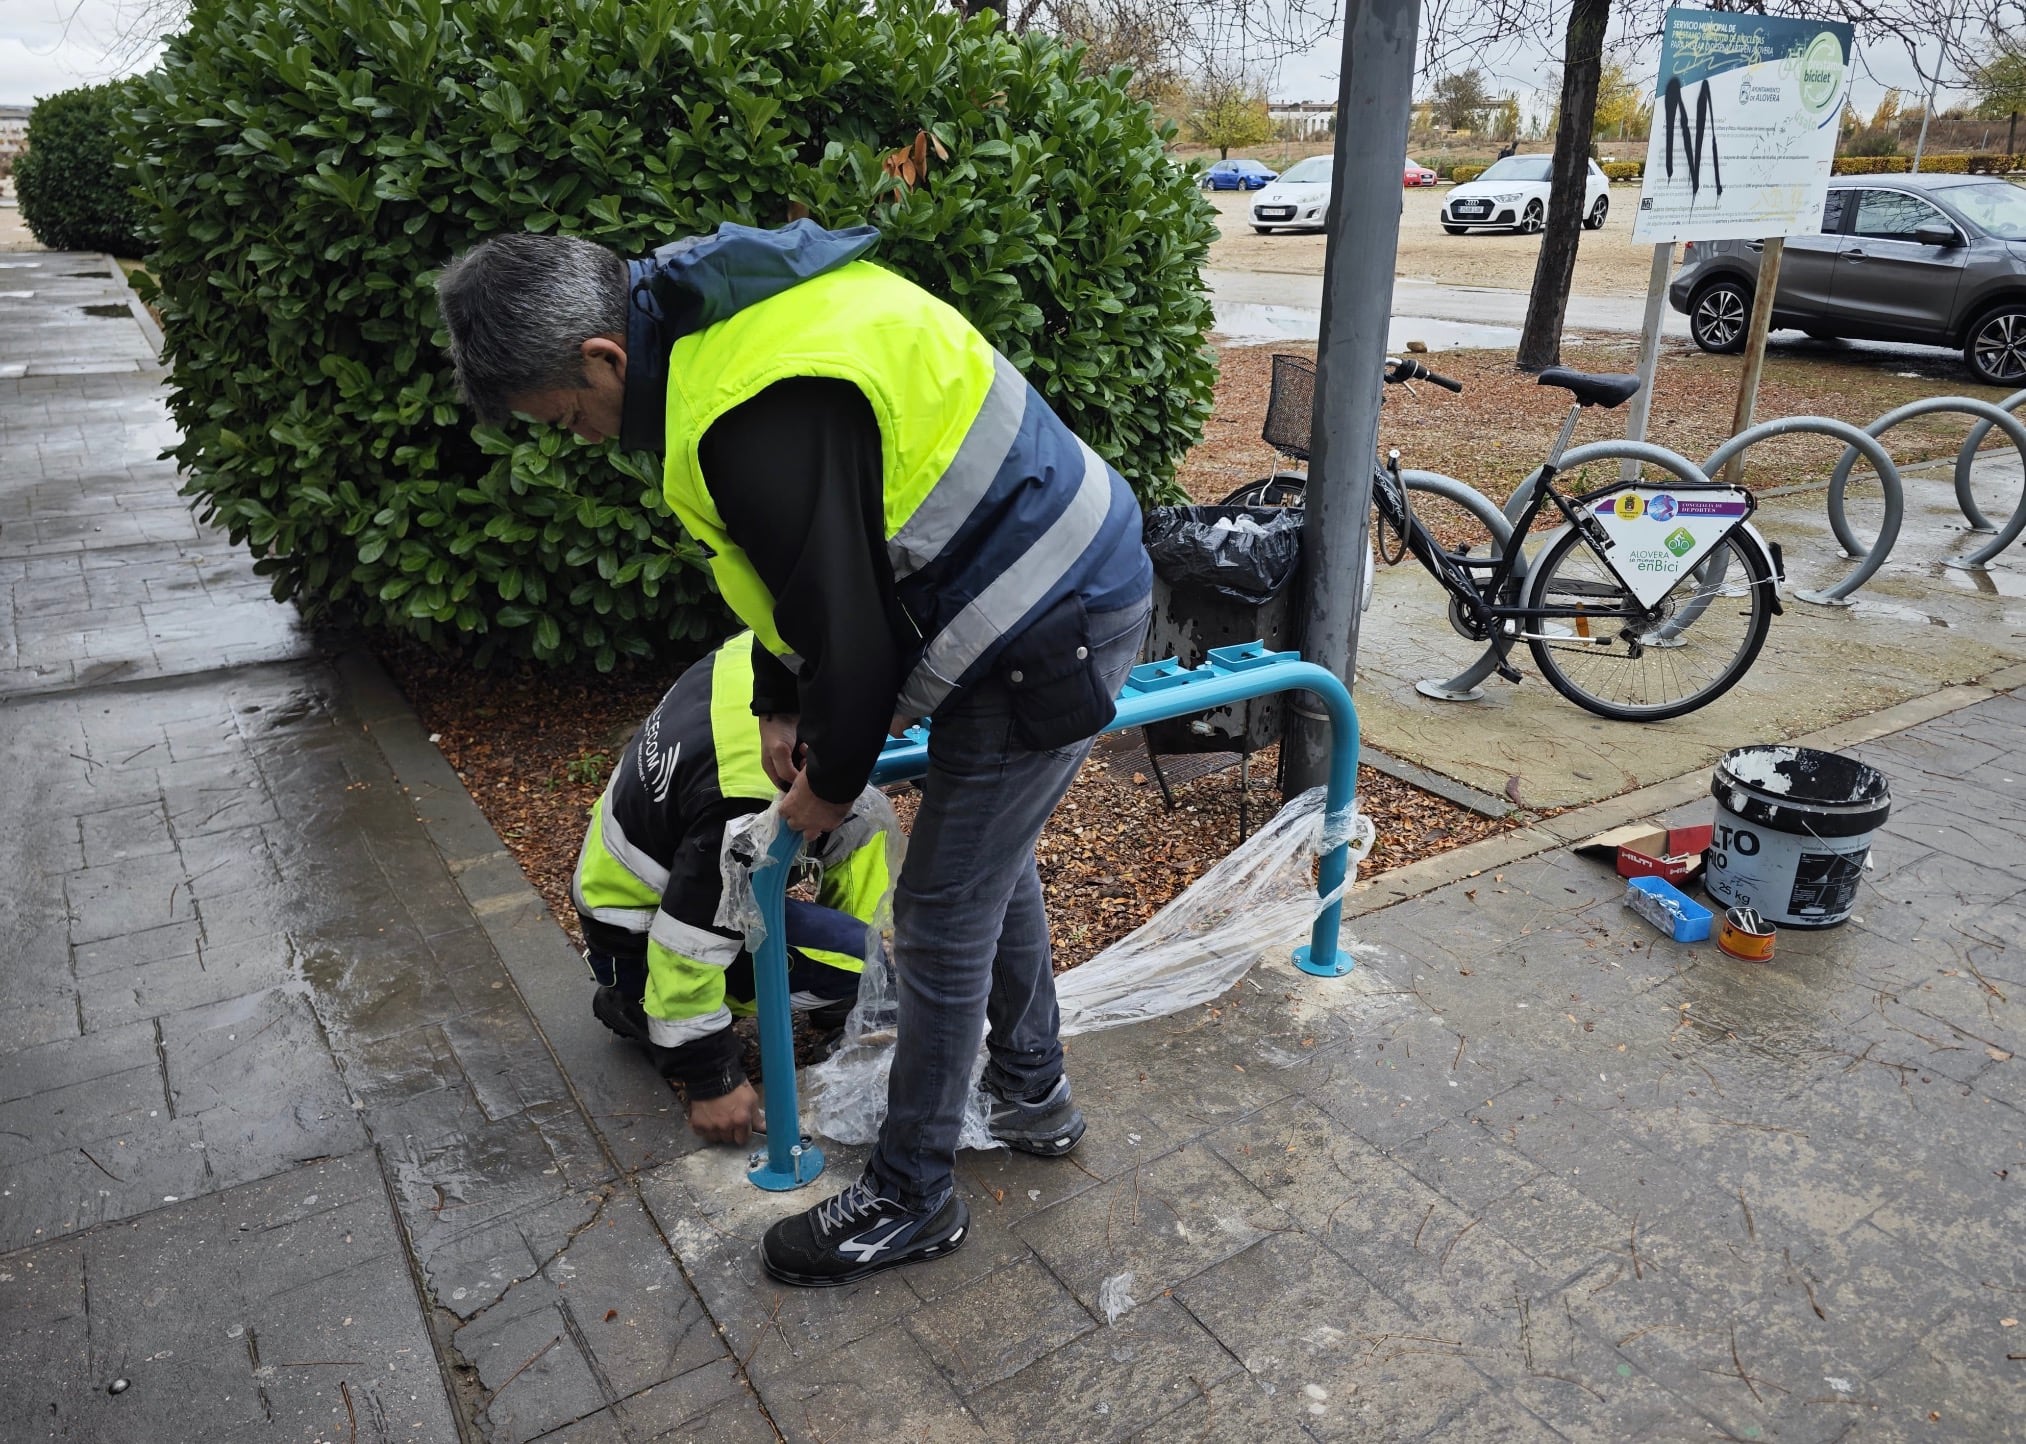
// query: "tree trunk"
[[1583, 62]]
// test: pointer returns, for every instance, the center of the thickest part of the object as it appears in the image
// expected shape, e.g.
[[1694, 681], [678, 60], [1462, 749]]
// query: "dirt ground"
[[1608, 263], [14, 234]]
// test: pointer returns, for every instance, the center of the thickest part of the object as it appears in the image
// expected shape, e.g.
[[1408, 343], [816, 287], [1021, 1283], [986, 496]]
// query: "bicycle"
[[1639, 642]]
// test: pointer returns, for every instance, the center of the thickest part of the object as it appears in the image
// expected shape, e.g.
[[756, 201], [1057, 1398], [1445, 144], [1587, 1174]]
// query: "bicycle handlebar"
[[1403, 369]]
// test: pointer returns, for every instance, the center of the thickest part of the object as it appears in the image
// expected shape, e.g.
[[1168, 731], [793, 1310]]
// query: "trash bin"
[[1222, 575]]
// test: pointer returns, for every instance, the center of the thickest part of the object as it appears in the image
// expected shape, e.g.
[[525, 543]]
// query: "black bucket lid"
[[1803, 791]]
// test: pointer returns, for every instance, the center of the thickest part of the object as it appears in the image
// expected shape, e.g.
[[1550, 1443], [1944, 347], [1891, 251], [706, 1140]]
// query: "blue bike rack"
[[1153, 692]]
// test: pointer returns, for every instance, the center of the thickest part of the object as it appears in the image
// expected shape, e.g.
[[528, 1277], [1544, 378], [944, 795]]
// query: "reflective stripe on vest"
[[652, 875], [689, 941], [991, 503]]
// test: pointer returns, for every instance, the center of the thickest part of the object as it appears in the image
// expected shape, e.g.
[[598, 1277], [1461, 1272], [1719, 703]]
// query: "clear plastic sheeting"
[[1261, 896], [1115, 1297], [747, 846]]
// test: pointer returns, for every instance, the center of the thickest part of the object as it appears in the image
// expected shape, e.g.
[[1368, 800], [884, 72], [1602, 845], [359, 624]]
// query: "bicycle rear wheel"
[[1707, 635]]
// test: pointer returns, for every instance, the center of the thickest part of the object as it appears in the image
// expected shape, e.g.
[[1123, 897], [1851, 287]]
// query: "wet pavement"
[[283, 1143], [1916, 628], [306, 1132]]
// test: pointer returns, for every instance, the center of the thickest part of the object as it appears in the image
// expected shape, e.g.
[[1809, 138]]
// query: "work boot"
[[1047, 1124], [623, 1015], [857, 1234]]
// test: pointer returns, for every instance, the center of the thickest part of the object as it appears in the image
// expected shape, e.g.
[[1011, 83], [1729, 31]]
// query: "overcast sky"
[[52, 45]]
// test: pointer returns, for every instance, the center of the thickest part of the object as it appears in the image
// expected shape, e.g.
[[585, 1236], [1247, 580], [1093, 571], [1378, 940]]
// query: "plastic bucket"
[[1793, 831]]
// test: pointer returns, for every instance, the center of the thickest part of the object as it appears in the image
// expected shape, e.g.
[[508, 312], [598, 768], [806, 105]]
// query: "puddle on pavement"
[[1244, 323], [107, 309]]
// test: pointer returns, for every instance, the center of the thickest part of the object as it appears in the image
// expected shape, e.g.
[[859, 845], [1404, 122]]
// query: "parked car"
[[1417, 174], [1298, 200], [1513, 195], [1938, 260], [1236, 175]]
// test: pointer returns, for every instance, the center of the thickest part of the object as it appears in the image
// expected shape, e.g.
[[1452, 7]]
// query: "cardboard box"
[[1642, 849], [1673, 854]]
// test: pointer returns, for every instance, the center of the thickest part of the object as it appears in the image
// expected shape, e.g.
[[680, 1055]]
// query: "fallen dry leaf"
[[611, 1314], [1998, 1055]]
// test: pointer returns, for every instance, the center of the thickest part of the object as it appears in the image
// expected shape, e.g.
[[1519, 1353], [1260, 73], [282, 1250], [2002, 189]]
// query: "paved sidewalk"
[[281, 1142], [307, 1134]]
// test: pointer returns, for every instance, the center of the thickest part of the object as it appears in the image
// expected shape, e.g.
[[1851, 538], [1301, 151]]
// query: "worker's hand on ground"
[[809, 814], [777, 747], [900, 725], [728, 1119]]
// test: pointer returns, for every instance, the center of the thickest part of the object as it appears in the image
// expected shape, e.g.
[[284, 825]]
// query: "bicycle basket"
[[1290, 406]]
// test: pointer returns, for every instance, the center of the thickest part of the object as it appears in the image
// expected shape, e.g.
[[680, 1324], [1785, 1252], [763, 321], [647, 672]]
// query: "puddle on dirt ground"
[[1992, 582], [107, 309], [1246, 324]]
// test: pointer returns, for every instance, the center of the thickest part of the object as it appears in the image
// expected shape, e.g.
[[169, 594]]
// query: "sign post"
[[1744, 137]]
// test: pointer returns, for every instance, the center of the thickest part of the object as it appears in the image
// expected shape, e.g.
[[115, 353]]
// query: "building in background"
[[1302, 119], [13, 134]]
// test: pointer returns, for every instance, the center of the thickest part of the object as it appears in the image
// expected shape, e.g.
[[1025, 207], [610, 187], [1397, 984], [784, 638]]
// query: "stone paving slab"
[[1532, 1172], [275, 1310]]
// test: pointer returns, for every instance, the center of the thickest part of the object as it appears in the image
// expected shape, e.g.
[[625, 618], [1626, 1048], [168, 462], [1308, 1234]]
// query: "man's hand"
[[777, 747], [898, 727], [809, 814], [728, 1119]]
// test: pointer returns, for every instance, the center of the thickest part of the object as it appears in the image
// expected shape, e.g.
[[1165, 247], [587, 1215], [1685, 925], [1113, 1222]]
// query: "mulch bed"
[[1500, 428], [534, 750]]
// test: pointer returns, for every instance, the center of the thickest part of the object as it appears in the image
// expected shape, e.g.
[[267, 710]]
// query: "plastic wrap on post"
[[1261, 896], [747, 844]]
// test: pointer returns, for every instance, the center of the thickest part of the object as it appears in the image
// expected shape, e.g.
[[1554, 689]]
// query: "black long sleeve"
[[797, 476]]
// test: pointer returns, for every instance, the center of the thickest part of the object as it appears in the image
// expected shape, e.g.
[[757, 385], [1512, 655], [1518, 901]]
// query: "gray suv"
[[1939, 260]]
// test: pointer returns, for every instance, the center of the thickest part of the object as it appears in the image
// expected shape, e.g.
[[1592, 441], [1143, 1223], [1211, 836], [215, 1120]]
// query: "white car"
[[1298, 200], [1513, 195]]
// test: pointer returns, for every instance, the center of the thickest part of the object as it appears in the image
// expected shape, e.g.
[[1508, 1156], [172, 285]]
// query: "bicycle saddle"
[[1590, 389]]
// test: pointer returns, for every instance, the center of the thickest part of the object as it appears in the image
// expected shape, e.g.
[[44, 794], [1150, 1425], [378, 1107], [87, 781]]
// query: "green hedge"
[[311, 163], [1623, 170], [1463, 173], [73, 192], [1982, 163]]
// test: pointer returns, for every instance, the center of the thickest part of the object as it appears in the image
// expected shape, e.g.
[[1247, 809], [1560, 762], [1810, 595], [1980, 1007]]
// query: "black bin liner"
[[1215, 588], [1190, 549]]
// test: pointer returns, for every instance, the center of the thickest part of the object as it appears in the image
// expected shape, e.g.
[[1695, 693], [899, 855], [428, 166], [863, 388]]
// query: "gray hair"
[[520, 307]]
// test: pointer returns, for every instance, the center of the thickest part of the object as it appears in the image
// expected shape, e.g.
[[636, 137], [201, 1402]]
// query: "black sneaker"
[[623, 1015], [857, 1234], [1047, 1126]]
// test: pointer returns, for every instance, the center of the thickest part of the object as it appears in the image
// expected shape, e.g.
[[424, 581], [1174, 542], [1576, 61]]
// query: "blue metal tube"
[[792, 1160], [1153, 693]]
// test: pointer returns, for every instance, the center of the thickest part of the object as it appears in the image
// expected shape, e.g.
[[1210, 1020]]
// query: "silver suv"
[[1938, 260]]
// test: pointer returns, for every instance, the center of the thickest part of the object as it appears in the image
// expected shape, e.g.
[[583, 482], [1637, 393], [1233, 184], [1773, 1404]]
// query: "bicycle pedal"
[[1509, 672]]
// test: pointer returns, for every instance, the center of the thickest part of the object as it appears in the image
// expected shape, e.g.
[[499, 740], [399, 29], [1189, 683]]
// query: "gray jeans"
[[970, 933]]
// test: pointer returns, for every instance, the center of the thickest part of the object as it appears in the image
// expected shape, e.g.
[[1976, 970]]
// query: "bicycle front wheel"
[[1707, 634]]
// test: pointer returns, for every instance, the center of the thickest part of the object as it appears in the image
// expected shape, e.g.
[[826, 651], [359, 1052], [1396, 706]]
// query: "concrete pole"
[[1375, 99], [1755, 348], [1919, 142], [1649, 353]]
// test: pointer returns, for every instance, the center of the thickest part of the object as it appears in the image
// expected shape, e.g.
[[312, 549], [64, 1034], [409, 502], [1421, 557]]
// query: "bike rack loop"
[[1968, 456], [1992, 416], [1465, 685], [1872, 557], [1154, 692]]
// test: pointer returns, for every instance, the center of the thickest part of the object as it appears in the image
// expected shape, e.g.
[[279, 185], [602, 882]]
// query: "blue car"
[[1237, 175]]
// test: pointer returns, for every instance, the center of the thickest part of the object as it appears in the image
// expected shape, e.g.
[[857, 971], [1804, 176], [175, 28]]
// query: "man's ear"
[[604, 351]]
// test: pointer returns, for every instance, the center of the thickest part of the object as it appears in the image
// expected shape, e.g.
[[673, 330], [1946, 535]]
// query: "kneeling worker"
[[647, 888]]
